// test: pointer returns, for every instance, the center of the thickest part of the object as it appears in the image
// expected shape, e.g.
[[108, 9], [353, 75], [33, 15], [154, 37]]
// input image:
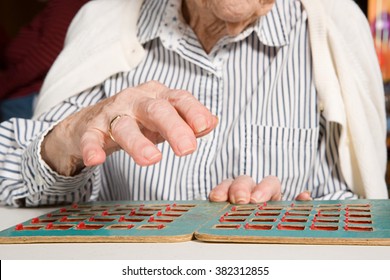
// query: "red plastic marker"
[[19, 227], [49, 226], [81, 225]]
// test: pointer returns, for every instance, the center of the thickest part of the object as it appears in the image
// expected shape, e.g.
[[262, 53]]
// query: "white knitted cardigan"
[[102, 41]]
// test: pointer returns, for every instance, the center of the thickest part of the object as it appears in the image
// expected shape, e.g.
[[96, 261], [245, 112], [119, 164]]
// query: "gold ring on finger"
[[113, 120]]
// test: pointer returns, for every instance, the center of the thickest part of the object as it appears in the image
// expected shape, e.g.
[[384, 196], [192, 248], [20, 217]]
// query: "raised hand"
[[133, 120]]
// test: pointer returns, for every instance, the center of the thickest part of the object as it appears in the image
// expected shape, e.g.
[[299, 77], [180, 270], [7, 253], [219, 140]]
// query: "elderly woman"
[[241, 101]]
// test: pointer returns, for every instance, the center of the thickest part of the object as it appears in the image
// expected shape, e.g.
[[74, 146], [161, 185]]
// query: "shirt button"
[[321, 106]]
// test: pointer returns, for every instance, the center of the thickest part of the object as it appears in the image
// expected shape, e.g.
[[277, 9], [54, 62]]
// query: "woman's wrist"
[[55, 149]]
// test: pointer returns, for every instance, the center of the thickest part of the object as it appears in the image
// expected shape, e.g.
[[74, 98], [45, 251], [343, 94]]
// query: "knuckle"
[[91, 136], [180, 97], [158, 107], [154, 83], [178, 130], [245, 180], [182, 94], [183, 97], [152, 86], [272, 180]]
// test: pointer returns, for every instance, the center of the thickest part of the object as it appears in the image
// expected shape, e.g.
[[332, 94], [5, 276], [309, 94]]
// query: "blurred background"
[[16, 13]]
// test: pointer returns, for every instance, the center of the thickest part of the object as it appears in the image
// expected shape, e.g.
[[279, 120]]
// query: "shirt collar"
[[271, 29], [153, 17]]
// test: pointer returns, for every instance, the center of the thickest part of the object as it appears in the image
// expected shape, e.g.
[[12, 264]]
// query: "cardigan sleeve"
[[350, 88], [101, 41]]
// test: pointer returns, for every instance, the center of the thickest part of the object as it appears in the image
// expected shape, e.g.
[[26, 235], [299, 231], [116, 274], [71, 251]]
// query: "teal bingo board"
[[354, 222]]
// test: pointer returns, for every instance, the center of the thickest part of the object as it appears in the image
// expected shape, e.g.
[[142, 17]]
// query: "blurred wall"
[[16, 13], [363, 5]]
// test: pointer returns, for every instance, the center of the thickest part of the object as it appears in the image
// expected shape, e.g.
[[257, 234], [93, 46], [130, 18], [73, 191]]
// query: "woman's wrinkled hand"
[[139, 118]]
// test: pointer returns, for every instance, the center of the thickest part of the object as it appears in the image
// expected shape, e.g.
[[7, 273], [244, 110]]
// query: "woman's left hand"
[[243, 190]]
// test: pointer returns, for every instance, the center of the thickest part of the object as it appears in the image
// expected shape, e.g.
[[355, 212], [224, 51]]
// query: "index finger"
[[194, 113], [240, 189], [268, 189]]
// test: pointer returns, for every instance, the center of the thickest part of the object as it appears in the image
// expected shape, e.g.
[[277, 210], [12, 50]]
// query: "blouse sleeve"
[[25, 179]]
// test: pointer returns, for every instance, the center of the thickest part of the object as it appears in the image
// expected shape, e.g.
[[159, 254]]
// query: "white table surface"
[[192, 250]]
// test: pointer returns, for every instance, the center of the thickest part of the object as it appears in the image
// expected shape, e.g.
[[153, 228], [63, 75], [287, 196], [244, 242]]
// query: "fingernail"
[[200, 124], [256, 197], [240, 197], [214, 195], [150, 153], [90, 156], [186, 146], [218, 196]]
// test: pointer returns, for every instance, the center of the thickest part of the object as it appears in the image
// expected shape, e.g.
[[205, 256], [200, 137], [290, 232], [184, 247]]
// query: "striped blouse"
[[259, 84]]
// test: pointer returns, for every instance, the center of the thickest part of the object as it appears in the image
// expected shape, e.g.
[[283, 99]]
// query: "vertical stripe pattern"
[[259, 84]]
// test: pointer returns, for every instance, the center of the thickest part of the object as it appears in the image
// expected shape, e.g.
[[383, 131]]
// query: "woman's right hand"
[[139, 118]]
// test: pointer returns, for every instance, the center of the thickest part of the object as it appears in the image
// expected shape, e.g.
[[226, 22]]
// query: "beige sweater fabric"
[[102, 41]]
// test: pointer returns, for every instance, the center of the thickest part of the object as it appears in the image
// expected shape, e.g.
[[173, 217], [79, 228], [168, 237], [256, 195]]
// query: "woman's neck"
[[213, 19], [206, 26]]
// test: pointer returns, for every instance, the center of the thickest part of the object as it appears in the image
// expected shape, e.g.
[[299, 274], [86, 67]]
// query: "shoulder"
[[341, 17], [344, 12], [103, 15], [101, 7]]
